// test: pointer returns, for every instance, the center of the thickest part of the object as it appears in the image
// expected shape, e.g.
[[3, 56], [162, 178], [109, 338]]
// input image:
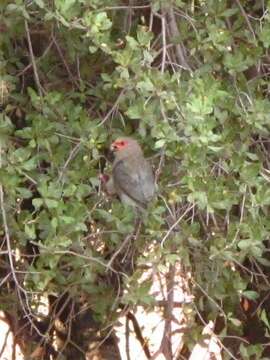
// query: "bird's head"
[[124, 145]]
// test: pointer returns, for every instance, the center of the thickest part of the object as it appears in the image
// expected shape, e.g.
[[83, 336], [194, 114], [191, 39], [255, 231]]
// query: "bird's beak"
[[113, 147]]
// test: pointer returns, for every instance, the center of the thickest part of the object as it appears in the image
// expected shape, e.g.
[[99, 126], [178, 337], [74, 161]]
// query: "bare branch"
[[175, 33], [29, 66], [20, 290], [163, 23], [127, 239], [175, 224], [33, 61], [60, 52], [138, 334], [111, 111], [71, 156], [166, 346], [246, 18]]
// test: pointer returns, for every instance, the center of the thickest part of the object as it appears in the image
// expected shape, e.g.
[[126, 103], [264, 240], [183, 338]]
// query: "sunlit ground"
[[151, 326], [7, 349]]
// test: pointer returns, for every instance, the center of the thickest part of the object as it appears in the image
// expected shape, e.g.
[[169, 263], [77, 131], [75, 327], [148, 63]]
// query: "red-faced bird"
[[132, 177]]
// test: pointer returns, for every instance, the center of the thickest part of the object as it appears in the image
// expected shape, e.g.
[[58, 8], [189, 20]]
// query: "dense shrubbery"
[[190, 80]]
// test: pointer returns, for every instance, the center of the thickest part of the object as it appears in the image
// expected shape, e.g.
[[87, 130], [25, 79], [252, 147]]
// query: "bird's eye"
[[122, 143]]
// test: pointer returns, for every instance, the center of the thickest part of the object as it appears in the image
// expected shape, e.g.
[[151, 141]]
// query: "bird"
[[132, 176]]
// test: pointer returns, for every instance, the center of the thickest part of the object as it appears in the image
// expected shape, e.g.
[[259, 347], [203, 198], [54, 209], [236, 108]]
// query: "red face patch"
[[119, 144]]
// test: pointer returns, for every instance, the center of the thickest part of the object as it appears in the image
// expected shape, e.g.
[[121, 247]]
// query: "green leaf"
[[144, 36], [40, 3], [30, 231], [160, 143], [51, 203], [265, 35], [24, 193], [235, 322], [249, 294], [264, 318], [37, 203]]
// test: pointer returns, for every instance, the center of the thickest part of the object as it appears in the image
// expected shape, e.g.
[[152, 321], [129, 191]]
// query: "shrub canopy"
[[190, 81]]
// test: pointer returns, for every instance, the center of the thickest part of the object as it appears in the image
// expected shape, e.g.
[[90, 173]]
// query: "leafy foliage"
[[76, 74]]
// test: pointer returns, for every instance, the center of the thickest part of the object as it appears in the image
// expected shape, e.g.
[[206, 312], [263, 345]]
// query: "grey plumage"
[[132, 176]]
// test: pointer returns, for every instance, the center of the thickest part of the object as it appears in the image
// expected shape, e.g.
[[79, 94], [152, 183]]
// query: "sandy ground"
[[7, 341]]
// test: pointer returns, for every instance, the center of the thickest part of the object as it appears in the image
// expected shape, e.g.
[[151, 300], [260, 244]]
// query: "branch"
[[59, 50], [164, 41], [71, 156], [38, 60], [138, 334], [164, 45], [166, 342], [174, 32], [70, 252], [127, 333], [175, 224], [134, 235], [246, 18], [20, 290], [113, 108], [32, 57]]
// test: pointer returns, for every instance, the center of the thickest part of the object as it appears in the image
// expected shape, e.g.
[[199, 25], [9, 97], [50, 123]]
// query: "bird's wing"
[[137, 182], [109, 187]]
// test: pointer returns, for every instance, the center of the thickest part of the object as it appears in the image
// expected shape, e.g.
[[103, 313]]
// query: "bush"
[[189, 80]]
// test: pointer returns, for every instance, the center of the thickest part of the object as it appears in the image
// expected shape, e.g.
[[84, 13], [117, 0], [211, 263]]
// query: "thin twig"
[[246, 18], [29, 66], [69, 326], [70, 252], [150, 26], [137, 329], [218, 340], [5, 279], [121, 247], [127, 336], [166, 346], [33, 61], [211, 299], [126, 7], [175, 33], [109, 113], [164, 41], [71, 156], [188, 18], [175, 224], [240, 221], [20, 290], [59, 50], [163, 23]]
